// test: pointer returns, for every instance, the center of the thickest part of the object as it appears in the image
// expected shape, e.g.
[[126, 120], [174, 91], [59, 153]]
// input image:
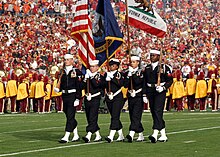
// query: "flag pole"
[[88, 66], [107, 55], [128, 39]]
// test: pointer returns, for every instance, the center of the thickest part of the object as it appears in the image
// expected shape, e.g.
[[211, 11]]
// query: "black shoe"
[[85, 139], [129, 138], [62, 141], [108, 140], [152, 139]]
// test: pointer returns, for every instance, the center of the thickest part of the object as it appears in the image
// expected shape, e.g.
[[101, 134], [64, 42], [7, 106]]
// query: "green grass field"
[[190, 135]]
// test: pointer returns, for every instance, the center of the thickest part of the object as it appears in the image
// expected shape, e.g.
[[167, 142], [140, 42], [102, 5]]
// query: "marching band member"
[[11, 91], [178, 91], [2, 96], [57, 95], [212, 91], [40, 93], [48, 84], [190, 91], [22, 94], [32, 92], [201, 91]]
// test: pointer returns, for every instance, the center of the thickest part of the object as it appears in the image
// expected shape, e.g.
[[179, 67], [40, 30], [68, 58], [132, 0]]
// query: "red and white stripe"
[[82, 32]]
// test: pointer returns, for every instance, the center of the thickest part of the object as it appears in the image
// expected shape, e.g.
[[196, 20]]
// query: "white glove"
[[76, 102], [109, 74], [88, 72], [129, 74], [86, 76], [145, 99], [130, 69], [57, 90], [108, 78], [160, 89]]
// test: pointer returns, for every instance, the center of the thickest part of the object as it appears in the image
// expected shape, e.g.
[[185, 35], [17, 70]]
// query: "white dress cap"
[[135, 58], [94, 62], [155, 52], [68, 56]]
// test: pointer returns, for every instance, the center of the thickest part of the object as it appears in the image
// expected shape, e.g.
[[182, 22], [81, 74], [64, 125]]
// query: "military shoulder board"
[[97, 76], [118, 75], [139, 73]]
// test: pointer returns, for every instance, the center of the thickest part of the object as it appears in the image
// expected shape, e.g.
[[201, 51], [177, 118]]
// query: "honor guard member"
[[114, 99], [134, 81], [157, 94], [93, 85], [70, 85]]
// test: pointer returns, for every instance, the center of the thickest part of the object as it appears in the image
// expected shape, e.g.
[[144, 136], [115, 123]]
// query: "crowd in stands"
[[35, 34]]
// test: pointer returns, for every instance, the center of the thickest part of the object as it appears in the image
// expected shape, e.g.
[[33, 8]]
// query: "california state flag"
[[147, 21]]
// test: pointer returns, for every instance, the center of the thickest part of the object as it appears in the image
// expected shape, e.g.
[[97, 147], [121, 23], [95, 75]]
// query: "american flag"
[[82, 32]]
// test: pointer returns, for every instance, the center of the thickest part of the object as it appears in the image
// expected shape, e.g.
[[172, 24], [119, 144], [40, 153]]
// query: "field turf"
[[192, 134]]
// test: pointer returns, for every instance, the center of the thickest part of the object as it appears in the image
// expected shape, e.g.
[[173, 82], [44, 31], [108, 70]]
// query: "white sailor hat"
[[68, 56], [135, 58], [94, 62], [155, 52], [114, 61]]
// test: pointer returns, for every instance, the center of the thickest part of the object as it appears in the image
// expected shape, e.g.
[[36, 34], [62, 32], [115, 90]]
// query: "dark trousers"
[[23, 105], [135, 107], [115, 106], [35, 107], [157, 102], [2, 105], [202, 103], [92, 109], [13, 103], [70, 111], [58, 103], [191, 101]]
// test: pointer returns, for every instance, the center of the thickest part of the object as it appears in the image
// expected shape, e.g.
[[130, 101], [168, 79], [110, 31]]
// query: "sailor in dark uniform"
[[134, 81], [114, 99], [70, 85], [93, 85], [156, 94]]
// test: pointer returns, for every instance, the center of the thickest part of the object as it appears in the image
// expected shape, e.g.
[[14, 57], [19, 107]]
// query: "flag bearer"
[[93, 85]]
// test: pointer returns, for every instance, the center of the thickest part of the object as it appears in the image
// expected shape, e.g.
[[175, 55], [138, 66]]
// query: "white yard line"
[[93, 143], [189, 141]]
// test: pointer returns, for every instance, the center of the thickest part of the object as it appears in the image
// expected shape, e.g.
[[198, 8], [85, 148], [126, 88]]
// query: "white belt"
[[69, 91], [116, 93], [94, 95], [136, 91], [155, 85]]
